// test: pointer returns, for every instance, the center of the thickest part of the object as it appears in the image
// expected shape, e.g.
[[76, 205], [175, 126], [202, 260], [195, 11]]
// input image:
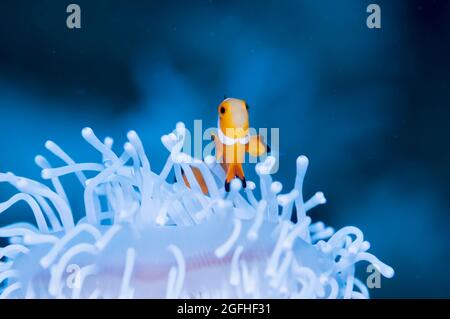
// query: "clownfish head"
[[233, 118]]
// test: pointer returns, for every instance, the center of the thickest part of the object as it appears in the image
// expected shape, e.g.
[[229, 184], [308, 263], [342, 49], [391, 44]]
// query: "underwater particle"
[[143, 236]]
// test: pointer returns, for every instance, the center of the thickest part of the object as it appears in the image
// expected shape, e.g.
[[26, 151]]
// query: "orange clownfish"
[[232, 141]]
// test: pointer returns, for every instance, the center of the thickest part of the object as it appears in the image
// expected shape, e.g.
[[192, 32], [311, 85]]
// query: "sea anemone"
[[146, 236]]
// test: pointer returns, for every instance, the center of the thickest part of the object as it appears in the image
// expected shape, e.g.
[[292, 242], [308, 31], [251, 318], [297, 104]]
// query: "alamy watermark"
[[73, 21], [200, 144], [374, 19], [374, 279], [73, 280]]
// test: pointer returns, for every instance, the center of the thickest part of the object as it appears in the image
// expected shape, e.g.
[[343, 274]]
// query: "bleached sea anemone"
[[143, 236]]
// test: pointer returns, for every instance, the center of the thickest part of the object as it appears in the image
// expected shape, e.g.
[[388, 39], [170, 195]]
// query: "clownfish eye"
[[247, 106], [222, 110]]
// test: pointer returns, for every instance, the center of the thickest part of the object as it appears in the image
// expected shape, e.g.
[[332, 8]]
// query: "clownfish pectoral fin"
[[256, 147]]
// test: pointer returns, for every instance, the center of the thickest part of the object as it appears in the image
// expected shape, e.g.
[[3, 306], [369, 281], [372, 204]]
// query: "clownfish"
[[232, 141]]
